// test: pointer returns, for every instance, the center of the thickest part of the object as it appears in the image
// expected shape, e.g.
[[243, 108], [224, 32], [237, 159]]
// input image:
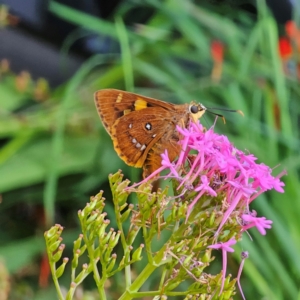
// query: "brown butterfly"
[[142, 128]]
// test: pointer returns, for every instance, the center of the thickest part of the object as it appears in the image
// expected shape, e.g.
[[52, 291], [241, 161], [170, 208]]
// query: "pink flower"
[[203, 188], [260, 223], [167, 164], [225, 247]]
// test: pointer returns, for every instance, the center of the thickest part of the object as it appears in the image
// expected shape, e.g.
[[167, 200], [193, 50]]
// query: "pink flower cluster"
[[242, 178], [218, 167]]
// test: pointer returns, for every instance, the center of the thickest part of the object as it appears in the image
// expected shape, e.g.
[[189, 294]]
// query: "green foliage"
[[183, 257]]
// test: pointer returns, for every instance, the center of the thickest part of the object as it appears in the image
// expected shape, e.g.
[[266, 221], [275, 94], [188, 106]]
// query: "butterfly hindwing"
[[134, 135]]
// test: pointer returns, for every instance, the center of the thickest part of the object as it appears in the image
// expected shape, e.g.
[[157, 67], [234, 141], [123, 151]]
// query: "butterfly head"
[[196, 110]]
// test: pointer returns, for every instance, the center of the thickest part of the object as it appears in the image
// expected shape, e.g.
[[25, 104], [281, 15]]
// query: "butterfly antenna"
[[226, 109]]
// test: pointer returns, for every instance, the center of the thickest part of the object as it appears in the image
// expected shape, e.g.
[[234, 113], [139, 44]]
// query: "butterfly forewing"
[[141, 128], [112, 104]]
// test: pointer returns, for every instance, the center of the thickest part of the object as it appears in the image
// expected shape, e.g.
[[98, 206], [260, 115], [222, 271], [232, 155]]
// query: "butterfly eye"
[[194, 109]]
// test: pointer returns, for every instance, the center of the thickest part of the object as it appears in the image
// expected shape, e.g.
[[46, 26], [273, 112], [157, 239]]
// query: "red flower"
[[293, 33], [217, 51], [285, 48]]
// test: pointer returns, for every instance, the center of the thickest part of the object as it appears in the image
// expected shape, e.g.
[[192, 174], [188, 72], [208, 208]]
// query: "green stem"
[[141, 295], [98, 280], [145, 274], [93, 260], [124, 244], [162, 278], [147, 244], [123, 238], [55, 280]]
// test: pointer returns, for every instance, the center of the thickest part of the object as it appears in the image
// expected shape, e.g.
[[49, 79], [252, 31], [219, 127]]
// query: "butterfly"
[[142, 128]]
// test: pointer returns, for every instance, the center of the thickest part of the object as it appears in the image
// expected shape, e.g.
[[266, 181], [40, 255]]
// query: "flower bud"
[[113, 241], [127, 254], [77, 243], [126, 214], [56, 257], [188, 259], [75, 259], [93, 216], [207, 256], [61, 268], [82, 274], [132, 234], [54, 246], [51, 232], [106, 238], [111, 263], [172, 285], [107, 255], [212, 219], [123, 206], [137, 253], [102, 228]]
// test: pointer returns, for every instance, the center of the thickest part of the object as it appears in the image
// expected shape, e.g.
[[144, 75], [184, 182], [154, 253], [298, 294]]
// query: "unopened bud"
[[137, 253], [112, 263], [61, 268]]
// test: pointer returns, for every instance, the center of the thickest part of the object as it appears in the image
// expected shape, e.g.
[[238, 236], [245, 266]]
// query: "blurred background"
[[55, 153]]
